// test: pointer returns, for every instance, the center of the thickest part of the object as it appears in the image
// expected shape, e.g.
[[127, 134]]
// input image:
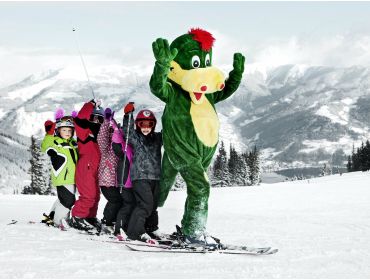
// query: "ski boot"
[[157, 235], [160, 237], [81, 224], [48, 219], [96, 223], [107, 228], [147, 239], [204, 240]]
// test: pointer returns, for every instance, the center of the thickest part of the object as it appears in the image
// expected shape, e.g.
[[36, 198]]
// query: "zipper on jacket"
[[65, 175]]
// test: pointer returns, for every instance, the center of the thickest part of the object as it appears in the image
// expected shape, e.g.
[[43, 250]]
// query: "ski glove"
[[129, 108], [162, 52], [108, 114], [49, 127], [117, 136]]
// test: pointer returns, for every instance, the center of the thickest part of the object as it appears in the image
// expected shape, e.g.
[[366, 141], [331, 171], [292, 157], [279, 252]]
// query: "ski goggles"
[[145, 124], [96, 119], [65, 122]]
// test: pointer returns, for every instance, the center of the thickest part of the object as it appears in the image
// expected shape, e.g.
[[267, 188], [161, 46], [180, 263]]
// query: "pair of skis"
[[174, 243], [236, 250], [162, 247]]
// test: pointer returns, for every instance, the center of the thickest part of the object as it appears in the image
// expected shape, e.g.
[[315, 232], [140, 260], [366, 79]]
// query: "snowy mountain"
[[320, 226], [302, 115], [298, 115]]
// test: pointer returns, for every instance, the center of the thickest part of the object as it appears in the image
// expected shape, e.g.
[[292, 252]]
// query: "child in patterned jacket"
[[107, 171]]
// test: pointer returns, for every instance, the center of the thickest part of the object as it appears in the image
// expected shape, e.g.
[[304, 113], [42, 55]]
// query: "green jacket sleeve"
[[158, 82], [231, 85], [47, 142]]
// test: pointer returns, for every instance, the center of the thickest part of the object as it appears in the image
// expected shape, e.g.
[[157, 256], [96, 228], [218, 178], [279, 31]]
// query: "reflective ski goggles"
[[96, 119], [65, 122], [145, 124]]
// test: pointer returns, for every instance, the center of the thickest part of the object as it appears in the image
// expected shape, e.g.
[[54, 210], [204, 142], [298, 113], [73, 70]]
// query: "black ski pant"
[[144, 217], [62, 206], [114, 203], [124, 213], [66, 197]]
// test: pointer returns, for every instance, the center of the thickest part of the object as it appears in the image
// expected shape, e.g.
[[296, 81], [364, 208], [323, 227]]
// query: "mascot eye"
[[208, 60], [195, 61]]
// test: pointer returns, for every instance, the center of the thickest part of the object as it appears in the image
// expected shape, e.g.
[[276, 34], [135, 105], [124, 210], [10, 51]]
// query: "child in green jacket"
[[60, 146]]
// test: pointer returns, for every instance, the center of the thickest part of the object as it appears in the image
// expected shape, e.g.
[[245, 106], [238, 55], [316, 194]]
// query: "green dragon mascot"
[[184, 78]]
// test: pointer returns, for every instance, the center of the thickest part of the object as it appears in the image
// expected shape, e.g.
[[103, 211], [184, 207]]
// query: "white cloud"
[[338, 50], [342, 50], [16, 64]]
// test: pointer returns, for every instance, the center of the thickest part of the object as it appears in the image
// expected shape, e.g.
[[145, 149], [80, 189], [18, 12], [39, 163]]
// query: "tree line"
[[360, 158], [239, 169]]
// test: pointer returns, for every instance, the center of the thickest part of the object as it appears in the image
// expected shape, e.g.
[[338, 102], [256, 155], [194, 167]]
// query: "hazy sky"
[[37, 35]]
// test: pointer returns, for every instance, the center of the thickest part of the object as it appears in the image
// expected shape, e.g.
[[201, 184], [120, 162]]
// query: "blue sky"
[[326, 33]]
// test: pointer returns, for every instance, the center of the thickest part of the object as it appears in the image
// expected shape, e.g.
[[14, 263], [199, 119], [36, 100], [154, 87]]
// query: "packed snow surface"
[[321, 227]]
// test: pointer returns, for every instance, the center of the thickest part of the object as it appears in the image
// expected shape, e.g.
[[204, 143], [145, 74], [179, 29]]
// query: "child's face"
[[145, 130], [66, 132]]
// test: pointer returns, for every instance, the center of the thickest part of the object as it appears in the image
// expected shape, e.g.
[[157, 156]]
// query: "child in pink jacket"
[[107, 171]]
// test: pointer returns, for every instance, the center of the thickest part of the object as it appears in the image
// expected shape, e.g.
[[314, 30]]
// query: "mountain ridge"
[[298, 115]]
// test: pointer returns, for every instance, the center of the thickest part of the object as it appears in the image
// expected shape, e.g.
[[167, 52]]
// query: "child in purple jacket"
[[125, 154], [107, 171]]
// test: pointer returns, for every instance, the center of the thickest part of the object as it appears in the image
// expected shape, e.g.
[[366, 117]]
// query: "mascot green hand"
[[162, 52], [184, 78]]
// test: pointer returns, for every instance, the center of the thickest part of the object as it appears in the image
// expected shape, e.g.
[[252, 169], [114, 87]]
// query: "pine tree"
[[325, 170], [367, 155], [355, 160], [253, 162], [38, 182], [47, 171], [233, 165], [360, 159], [242, 177], [349, 164], [221, 176]]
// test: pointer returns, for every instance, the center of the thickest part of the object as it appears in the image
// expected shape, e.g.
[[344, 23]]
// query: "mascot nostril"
[[190, 122]]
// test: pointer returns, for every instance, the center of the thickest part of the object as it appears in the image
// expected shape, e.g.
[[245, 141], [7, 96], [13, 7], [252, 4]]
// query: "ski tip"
[[271, 252]]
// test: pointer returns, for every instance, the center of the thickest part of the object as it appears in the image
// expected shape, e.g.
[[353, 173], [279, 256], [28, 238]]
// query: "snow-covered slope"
[[320, 226]]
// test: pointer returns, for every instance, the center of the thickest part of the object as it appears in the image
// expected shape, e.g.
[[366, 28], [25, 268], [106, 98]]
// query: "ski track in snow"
[[321, 227]]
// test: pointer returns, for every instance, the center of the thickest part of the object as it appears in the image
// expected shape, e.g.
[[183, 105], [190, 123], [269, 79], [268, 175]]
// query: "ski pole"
[[125, 150], [83, 62]]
